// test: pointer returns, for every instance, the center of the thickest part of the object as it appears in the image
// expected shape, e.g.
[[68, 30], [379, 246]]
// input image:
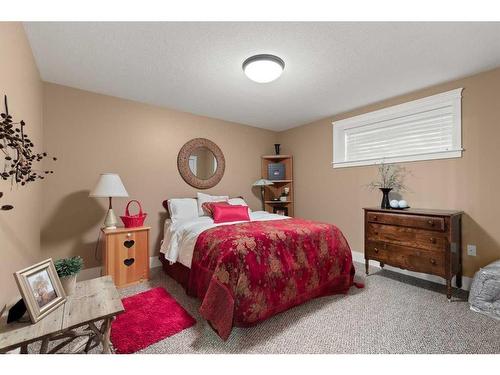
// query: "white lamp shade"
[[263, 182], [109, 185]]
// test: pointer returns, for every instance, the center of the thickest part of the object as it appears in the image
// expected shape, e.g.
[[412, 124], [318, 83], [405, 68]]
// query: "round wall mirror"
[[201, 163]]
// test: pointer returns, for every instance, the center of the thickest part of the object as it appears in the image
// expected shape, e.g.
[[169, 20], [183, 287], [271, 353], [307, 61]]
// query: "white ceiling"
[[196, 67]]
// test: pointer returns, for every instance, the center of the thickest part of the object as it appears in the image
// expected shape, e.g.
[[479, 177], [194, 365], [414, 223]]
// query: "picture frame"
[[40, 288]]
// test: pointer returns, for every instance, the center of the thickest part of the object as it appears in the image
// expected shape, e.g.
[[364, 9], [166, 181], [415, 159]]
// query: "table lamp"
[[262, 182], [108, 186]]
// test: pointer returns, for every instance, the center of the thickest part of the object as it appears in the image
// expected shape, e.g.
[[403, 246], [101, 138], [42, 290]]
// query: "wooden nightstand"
[[126, 255]]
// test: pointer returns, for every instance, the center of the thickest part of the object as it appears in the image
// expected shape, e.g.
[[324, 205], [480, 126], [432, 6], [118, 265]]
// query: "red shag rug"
[[149, 317]]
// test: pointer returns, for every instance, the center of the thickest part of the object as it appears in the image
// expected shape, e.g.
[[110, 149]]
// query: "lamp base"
[[262, 198], [111, 221]]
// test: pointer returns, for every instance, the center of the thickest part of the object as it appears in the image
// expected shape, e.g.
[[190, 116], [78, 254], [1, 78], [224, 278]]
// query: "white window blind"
[[424, 129]]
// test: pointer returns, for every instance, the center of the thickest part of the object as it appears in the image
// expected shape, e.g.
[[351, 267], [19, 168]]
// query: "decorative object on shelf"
[[385, 197], [402, 204], [201, 163], [394, 203], [277, 148], [280, 210], [276, 171], [19, 157], [262, 182], [40, 288], [391, 177], [133, 221], [109, 186], [284, 194], [67, 270], [399, 205]]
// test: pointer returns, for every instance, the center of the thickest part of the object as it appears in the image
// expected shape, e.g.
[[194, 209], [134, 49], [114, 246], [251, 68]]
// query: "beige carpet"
[[393, 314]]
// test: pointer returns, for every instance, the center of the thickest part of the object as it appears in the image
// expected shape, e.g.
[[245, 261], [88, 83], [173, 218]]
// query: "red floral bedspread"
[[245, 273]]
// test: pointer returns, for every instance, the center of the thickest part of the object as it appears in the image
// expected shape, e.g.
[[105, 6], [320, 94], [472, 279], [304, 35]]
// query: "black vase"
[[385, 198], [277, 148]]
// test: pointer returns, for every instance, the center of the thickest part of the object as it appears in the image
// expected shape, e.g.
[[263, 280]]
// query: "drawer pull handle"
[[376, 250], [431, 223], [128, 243], [433, 261], [433, 240], [129, 234], [128, 262], [375, 218]]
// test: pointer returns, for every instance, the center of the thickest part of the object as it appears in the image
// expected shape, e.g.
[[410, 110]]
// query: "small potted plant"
[[68, 269], [391, 177]]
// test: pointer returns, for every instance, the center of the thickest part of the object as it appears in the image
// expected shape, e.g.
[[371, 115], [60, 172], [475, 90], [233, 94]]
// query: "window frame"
[[451, 98]]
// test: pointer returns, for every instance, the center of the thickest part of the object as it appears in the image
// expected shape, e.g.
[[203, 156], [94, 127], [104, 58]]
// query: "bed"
[[247, 271]]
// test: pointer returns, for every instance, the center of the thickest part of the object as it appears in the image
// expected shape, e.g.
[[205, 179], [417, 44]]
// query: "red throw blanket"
[[245, 273]]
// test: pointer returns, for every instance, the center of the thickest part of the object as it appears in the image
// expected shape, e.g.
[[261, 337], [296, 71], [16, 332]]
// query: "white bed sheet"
[[179, 238]]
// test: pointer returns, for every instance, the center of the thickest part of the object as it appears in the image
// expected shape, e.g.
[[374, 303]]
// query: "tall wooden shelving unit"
[[275, 190]]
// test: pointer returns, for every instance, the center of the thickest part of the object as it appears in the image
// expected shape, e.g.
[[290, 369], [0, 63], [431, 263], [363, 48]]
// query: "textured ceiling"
[[196, 67]]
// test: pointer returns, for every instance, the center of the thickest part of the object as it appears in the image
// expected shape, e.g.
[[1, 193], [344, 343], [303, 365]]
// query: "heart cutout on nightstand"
[[128, 262], [129, 243]]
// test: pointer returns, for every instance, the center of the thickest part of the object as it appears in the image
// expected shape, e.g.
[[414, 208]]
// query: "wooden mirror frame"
[[185, 171]]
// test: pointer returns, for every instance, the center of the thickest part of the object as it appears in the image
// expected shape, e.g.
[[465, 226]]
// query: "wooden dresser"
[[420, 240]]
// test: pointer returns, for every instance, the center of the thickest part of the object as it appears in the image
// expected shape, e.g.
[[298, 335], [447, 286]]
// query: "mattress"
[[179, 237]]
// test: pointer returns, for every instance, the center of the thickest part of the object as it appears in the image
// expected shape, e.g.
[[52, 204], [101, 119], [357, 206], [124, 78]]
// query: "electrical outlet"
[[471, 250]]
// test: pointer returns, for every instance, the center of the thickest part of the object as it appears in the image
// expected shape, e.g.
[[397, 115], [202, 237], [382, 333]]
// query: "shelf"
[[278, 202], [276, 157], [281, 181]]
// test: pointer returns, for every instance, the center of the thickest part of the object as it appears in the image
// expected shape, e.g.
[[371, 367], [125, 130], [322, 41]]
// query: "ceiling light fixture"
[[263, 68]]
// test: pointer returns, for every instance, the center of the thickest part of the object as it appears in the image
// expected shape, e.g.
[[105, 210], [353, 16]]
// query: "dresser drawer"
[[408, 258], [413, 221], [404, 236]]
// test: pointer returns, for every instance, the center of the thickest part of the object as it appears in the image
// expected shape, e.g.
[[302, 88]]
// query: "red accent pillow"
[[208, 207], [225, 214]]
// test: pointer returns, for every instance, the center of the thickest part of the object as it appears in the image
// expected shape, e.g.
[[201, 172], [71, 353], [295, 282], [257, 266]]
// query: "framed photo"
[[41, 289]]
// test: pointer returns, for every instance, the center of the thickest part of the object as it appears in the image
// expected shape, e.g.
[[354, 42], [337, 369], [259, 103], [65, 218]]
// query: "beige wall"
[[470, 183], [20, 227], [92, 133]]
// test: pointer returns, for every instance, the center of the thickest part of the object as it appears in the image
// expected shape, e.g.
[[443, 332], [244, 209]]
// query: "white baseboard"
[[360, 258], [154, 262], [92, 273]]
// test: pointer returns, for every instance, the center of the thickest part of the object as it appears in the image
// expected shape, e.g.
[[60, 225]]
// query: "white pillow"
[[202, 198], [182, 209], [238, 202]]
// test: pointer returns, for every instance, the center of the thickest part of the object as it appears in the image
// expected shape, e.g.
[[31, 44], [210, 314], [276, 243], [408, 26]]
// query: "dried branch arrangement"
[[390, 176], [17, 149]]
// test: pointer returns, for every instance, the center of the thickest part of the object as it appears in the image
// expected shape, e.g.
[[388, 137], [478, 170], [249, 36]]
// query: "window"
[[424, 129]]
